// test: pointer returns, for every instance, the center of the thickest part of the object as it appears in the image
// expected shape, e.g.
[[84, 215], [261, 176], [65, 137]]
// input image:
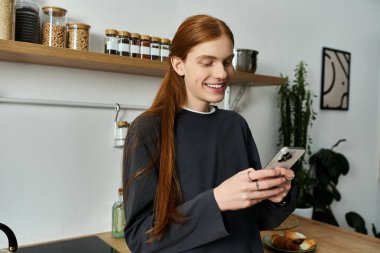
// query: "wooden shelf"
[[23, 52]]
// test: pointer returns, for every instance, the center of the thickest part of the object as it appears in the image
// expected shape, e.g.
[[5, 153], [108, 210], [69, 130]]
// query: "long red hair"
[[169, 99]]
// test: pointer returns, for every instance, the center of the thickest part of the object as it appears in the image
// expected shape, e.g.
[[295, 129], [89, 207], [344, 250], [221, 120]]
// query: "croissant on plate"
[[282, 242]]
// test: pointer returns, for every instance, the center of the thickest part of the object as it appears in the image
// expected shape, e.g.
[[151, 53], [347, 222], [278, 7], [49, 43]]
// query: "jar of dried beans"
[[7, 19], [54, 26], [78, 36]]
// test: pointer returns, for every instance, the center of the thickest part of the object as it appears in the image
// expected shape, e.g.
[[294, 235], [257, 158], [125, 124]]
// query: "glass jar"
[[121, 128], [53, 26], [123, 42], [164, 49], [135, 45], [155, 48], [27, 21], [7, 19], [111, 44], [78, 36], [118, 218], [145, 47]]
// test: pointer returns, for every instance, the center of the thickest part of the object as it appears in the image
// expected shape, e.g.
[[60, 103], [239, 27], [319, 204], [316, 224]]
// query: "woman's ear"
[[178, 65]]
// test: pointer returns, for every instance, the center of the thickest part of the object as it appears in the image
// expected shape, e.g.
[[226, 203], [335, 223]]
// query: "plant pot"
[[304, 212]]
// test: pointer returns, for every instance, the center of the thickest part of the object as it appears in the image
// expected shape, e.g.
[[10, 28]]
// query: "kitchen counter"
[[330, 239]]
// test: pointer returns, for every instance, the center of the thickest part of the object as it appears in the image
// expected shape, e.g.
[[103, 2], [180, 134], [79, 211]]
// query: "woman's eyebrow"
[[211, 57]]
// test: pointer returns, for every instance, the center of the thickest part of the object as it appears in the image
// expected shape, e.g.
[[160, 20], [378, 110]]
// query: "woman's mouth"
[[215, 85]]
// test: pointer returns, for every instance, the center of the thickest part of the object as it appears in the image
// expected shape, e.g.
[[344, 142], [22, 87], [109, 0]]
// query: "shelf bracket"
[[240, 94]]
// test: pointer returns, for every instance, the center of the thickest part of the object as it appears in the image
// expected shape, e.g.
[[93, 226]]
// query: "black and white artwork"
[[335, 79]]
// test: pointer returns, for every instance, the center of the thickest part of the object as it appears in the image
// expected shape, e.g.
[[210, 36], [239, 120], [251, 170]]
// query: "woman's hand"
[[288, 174], [249, 187]]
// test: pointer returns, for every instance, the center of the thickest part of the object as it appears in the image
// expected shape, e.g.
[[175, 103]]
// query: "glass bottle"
[[145, 47], [27, 21], [111, 44], [118, 218], [155, 48], [164, 49], [135, 45], [121, 128], [7, 19], [124, 43], [54, 26]]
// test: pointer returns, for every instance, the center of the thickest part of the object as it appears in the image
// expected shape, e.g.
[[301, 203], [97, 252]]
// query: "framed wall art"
[[335, 79]]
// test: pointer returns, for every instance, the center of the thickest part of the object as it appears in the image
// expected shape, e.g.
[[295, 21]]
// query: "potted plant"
[[328, 166], [295, 103]]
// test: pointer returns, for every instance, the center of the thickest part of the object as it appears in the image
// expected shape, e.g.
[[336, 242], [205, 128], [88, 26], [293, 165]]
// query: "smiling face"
[[207, 71]]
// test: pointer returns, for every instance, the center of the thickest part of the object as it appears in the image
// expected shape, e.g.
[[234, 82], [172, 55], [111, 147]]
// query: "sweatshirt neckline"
[[212, 110]]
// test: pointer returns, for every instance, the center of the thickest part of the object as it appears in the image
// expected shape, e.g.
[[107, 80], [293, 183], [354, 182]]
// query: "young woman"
[[191, 171]]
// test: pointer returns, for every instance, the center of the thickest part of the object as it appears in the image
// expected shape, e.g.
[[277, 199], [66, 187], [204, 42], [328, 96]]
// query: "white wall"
[[58, 170]]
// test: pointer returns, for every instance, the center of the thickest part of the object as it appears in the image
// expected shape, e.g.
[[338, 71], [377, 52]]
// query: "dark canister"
[[27, 21]]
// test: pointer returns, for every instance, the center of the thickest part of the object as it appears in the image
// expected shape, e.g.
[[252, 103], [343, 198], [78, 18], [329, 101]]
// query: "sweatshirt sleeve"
[[204, 224], [272, 215]]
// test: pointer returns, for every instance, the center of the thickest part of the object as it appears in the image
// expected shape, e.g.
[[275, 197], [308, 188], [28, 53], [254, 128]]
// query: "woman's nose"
[[220, 71]]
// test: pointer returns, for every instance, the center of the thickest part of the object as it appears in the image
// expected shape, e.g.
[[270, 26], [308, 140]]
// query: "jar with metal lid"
[[27, 21], [155, 48], [7, 19], [78, 36], [135, 45], [164, 49], [111, 44], [145, 47], [124, 43], [54, 26]]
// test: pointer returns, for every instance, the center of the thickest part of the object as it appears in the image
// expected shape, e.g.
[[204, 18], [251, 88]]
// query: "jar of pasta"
[[7, 19], [53, 26]]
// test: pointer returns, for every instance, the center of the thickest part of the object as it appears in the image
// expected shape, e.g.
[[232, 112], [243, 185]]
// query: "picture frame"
[[335, 79]]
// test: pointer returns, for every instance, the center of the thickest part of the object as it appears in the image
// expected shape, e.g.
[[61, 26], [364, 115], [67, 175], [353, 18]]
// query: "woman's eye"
[[227, 63], [208, 63]]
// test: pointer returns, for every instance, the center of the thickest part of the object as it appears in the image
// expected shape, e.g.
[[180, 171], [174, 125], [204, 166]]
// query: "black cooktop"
[[91, 244]]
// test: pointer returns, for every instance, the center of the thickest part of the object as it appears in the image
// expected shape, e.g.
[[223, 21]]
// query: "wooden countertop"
[[330, 239]]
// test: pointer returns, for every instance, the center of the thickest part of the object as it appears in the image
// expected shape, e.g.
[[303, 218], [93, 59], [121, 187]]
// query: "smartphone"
[[286, 157]]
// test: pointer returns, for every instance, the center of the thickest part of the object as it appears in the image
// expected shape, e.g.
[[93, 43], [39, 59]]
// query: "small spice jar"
[[145, 47], [111, 44], [78, 36], [124, 43], [121, 128], [135, 45], [164, 49], [155, 48], [7, 19], [54, 26]]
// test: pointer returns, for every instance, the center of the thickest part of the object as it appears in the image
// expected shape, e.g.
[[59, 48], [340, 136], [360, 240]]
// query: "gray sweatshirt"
[[210, 148]]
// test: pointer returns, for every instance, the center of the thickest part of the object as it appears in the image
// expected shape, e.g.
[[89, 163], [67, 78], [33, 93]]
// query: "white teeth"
[[216, 86]]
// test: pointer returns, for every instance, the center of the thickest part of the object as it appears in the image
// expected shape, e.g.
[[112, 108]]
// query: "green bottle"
[[118, 218]]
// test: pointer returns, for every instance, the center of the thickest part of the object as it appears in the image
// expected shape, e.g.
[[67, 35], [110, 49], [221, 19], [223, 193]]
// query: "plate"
[[267, 241]]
